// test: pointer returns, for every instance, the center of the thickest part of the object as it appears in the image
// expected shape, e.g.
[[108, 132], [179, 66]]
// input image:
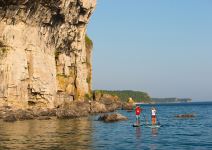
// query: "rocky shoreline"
[[69, 110]]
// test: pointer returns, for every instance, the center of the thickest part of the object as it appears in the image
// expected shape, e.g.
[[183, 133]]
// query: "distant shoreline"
[[175, 103], [152, 103], [171, 100]]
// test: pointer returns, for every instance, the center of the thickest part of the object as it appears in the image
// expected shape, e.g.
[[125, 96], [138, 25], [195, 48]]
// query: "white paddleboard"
[[154, 126]]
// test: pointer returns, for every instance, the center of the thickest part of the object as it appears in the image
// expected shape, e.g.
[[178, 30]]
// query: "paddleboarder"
[[154, 116], [138, 111]]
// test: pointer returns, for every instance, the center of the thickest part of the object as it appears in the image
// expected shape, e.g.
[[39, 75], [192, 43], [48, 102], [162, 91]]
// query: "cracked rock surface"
[[44, 59]]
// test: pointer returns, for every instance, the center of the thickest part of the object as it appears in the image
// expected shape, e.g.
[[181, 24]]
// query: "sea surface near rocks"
[[90, 134]]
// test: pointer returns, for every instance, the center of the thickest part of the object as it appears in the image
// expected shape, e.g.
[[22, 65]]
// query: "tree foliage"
[[137, 96]]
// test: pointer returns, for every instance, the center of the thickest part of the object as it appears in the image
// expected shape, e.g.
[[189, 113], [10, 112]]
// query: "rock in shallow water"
[[10, 118], [185, 116], [44, 118], [112, 118], [73, 110], [24, 115], [10, 115]]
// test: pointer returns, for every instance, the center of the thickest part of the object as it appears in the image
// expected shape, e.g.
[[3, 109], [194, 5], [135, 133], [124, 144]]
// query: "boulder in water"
[[112, 117], [73, 110], [127, 106], [23, 115]]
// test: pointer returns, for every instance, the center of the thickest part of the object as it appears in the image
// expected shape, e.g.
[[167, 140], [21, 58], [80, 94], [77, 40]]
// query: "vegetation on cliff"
[[137, 96], [88, 47], [88, 42]]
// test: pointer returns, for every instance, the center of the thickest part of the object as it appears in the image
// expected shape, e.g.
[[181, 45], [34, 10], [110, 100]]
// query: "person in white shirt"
[[153, 116]]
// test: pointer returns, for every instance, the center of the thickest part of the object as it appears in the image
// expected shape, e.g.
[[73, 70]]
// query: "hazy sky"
[[162, 47]]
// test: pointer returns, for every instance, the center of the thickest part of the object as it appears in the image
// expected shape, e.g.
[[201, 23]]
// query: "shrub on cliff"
[[88, 42]]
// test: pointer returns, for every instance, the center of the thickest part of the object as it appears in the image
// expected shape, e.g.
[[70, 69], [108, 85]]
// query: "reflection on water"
[[51, 134], [154, 131], [96, 135], [138, 143], [140, 140], [138, 132]]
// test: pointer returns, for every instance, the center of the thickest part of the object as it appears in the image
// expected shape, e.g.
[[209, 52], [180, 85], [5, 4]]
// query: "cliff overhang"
[[44, 60]]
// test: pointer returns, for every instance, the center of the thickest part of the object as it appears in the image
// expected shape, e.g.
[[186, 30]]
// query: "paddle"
[[158, 120], [157, 117], [145, 119]]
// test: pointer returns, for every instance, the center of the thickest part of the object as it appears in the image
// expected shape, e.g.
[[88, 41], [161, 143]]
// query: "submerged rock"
[[112, 117], [185, 116]]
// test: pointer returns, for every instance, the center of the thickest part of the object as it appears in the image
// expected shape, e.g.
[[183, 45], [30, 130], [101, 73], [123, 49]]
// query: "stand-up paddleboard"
[[154, 126], [136, 125], [147, 125]]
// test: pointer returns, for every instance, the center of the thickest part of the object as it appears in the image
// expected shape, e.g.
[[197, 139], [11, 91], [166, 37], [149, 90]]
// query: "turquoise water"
[[87, 133]]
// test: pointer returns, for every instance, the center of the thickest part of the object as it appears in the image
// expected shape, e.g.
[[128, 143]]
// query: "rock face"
[[45, 58], [111, 102], [97, 107], [127, 106]]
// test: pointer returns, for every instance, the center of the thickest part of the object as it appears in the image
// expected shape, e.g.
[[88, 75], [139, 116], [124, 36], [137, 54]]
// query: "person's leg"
[[153, 120], [137, 119]]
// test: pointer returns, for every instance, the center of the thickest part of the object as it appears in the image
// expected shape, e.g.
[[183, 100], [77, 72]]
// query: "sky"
[[162, 47]]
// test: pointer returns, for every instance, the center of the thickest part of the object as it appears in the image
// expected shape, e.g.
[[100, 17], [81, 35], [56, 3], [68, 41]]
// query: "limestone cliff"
[[44, 57]]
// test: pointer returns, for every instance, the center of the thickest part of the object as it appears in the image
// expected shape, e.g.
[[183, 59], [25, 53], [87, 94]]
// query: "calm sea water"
[[84, 134]]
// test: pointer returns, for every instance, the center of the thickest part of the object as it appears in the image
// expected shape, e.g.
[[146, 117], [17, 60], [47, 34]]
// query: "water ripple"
[[87, 134]]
